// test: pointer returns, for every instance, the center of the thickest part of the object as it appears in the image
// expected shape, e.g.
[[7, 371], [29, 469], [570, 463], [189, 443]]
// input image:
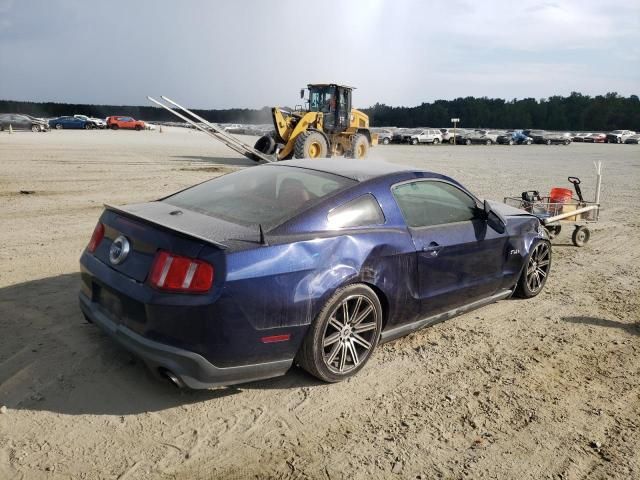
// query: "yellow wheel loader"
[[327, 127]]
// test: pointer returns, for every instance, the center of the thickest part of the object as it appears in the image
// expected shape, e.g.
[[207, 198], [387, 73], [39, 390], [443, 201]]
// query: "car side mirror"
[[494, 219], [302, 93]]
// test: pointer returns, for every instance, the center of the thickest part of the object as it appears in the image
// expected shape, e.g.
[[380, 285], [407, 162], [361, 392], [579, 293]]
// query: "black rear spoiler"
[[166, 226]]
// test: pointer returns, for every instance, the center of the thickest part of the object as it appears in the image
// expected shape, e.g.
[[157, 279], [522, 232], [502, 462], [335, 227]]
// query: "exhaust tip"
[[172, 377]]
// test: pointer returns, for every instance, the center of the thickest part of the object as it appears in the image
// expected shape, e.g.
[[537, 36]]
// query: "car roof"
[[355, 169]]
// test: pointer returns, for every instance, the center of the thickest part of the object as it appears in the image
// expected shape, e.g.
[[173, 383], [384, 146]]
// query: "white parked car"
[[97, 122], [428, 135], [447, 134]]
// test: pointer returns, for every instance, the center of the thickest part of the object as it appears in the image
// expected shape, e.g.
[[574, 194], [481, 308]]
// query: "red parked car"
[[128, 123], [596, 138]]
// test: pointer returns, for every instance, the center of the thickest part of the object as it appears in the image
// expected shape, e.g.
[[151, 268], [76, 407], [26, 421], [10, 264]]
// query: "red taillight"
[[96, 238], [175, 273]]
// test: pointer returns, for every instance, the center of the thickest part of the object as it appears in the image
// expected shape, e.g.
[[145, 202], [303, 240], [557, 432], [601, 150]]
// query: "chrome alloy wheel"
[[538, 267], [349, 335]]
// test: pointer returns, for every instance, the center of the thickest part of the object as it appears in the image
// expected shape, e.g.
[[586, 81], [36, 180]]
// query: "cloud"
[[250, 53]]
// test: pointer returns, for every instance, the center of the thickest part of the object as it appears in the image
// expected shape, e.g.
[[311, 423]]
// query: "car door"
[[21, 122], [460, 258]]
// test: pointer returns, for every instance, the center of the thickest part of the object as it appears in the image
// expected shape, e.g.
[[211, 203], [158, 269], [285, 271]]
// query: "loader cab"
[[334, 102]]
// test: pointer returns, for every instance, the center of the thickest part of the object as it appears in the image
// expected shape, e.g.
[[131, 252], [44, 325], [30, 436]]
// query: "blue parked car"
[[313, 263], [515, 137], [71, 122]]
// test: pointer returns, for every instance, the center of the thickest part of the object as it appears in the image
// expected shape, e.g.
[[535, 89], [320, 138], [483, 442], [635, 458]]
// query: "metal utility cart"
[[562, 208]]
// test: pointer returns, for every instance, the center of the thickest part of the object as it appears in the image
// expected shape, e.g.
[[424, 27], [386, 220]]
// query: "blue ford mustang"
[[306, 261]]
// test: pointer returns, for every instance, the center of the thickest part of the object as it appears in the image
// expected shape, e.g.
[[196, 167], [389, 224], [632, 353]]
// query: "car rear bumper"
[[191, 368]]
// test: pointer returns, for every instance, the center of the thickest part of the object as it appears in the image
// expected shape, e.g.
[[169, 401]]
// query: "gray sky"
[[251, 53]]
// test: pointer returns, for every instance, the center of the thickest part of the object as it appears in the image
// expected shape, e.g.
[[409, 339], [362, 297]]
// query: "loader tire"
[[359, 146], [311, 144], [266, 144]]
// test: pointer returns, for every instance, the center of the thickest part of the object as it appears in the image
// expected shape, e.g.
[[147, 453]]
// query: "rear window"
[[361, 212], [268, 195]]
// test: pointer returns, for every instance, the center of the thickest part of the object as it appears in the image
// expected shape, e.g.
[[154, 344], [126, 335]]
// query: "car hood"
[[507, 210]]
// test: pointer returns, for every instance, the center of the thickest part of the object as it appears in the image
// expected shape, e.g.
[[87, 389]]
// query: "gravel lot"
[[546, 388]]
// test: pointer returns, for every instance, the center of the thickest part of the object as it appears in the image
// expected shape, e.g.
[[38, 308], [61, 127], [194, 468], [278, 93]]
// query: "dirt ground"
[[545, 388]]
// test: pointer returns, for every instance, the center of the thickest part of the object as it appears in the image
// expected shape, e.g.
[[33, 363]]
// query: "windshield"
[[268, 195], [321, 99]]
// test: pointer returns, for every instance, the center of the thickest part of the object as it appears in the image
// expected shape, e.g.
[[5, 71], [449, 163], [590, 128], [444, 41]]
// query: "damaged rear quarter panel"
[[287, 282]]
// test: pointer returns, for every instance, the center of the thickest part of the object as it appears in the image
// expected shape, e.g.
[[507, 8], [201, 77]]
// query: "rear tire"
[[310, 144], [359, 146], [344, 334], [554, 231], [536, 270], [488, 142], [436, 141], [414, 141], [548, 142], [467, 142], [580, 236]]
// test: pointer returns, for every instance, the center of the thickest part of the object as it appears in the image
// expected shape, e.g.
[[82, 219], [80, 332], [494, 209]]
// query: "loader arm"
[[214, 131], [290, 133]]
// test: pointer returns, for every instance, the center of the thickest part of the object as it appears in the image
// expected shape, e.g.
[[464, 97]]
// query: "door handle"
[[432, 250]]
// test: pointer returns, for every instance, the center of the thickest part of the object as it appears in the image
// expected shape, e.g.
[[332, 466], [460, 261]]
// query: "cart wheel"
[[553, 231], [581, 236]]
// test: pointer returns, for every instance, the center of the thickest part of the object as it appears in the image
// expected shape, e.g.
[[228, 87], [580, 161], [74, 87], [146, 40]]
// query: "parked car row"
[[462, 136], [89, 123], [616, 136], [19, 121]]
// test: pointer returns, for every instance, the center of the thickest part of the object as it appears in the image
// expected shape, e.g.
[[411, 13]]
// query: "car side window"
[[428, 203], [360, 212]]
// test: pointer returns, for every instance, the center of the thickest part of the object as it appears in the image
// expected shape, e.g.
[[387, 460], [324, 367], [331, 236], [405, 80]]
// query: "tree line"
[[575, 112]]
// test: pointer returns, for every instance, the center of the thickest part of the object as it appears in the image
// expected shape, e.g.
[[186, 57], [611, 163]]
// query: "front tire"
[[310, 144], [59, 126], [344, 334], [536, 270], [114, 127], [35, 128], [414, 141], [385, 141]]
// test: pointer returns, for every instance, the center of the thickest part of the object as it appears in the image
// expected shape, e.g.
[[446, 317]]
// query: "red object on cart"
[[560, 195]]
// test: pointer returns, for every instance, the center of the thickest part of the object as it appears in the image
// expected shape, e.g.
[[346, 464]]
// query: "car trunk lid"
[[153, 226]]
